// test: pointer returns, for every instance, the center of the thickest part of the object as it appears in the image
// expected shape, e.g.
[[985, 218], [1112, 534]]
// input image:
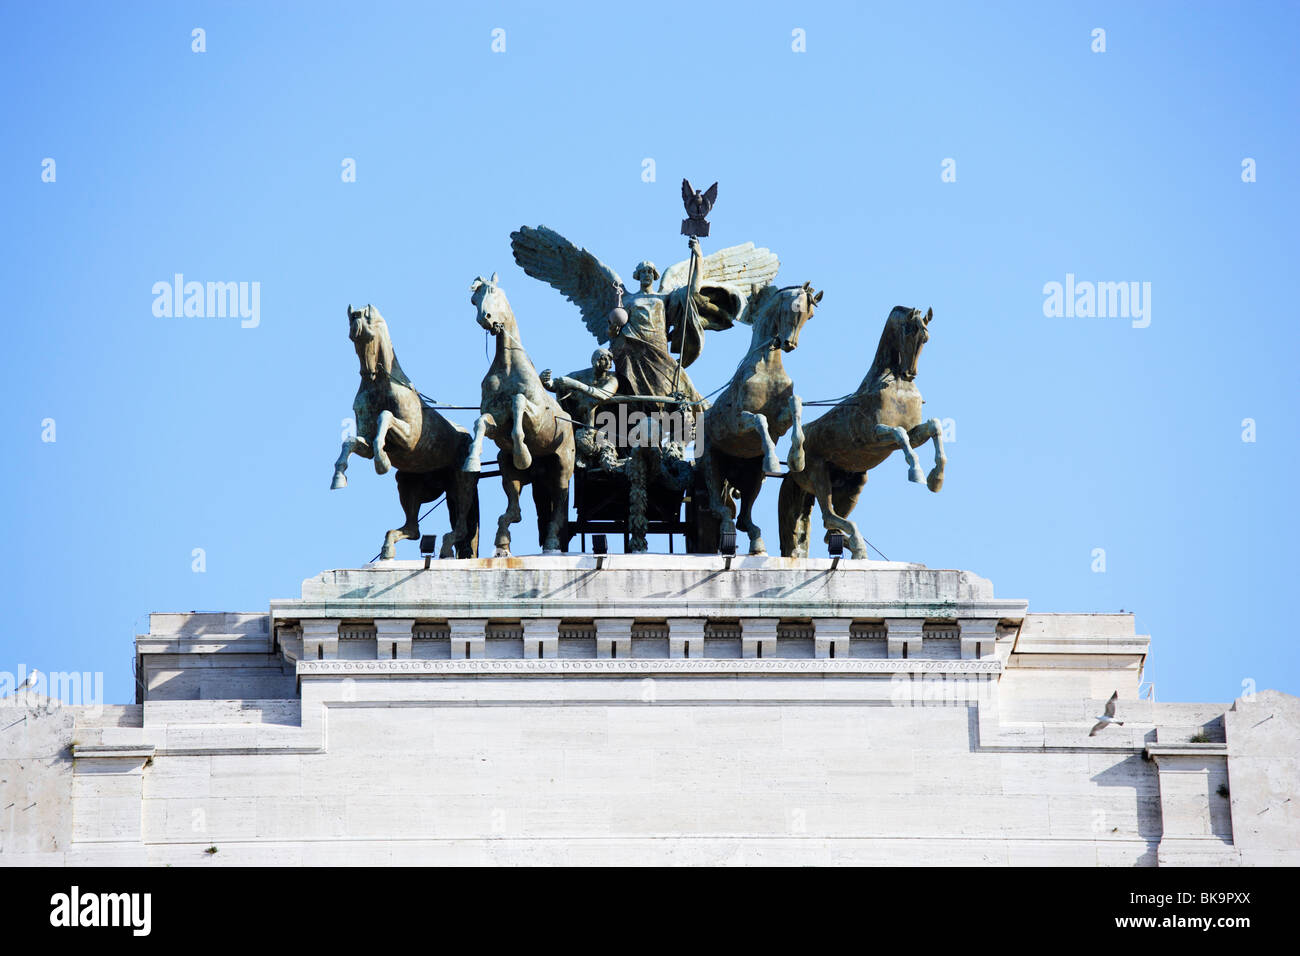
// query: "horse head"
[[906, 332], [781, 317], [494, 312], [369, 334]]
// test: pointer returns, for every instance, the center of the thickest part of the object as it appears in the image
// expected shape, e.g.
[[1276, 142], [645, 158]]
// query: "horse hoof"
[[340, 481], [796, 461], [916, 474], [772, 466], [501, 552], [935, 481], [523, 460], [382, 466], [757, 547], [473, 465]]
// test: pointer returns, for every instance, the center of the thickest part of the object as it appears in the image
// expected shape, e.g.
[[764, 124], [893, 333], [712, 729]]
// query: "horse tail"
[[794, 507]]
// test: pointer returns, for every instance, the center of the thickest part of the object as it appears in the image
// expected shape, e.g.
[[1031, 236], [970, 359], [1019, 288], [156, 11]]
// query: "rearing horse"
[[882, 416], [395, 427], [534, 437], [738, 433]]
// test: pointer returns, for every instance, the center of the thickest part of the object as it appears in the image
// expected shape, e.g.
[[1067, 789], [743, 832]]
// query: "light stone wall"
[[669, 713], [1263, 739]]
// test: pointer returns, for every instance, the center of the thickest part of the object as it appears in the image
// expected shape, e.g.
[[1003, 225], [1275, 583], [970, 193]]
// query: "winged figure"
[[658, 323]]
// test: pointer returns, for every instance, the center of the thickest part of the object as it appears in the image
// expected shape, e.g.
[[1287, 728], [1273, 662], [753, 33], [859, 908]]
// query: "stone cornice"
[[599, 668], [582, 610]]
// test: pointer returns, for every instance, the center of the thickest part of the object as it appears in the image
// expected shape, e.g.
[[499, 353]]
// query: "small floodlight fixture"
[[835, 545], [727, 546]]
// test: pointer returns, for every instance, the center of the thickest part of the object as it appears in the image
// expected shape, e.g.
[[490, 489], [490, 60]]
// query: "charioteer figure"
[[580, 394]]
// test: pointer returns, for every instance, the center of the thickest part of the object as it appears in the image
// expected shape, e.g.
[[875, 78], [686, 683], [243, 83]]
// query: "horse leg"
[[512, 484], [794, 509], [387, 421], [562, 465], [771, 461], [557, 503], [745, 520], [795, 412], [897, 436], [351, 446], [462, 500], [408, 493], [716, 485], [819, 483], [518, 436], [844, 499], [918, 436], [382, 464], [800, 548], [473, 460], [456, 512]]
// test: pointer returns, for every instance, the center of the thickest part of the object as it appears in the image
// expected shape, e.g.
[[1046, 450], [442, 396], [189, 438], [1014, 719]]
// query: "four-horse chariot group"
[[621, 432]]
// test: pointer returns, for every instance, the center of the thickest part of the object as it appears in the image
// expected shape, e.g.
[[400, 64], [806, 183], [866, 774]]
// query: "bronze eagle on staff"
[[698, 205]]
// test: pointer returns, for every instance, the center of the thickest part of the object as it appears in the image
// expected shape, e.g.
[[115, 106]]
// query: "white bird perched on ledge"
[[1104, 720]]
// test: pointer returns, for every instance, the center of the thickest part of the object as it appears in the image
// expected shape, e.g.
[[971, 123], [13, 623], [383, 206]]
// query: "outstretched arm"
[[697, 267], [564, 382]]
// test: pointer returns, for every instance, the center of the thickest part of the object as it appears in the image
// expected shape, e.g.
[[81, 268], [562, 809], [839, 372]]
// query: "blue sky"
[[1072, 433]]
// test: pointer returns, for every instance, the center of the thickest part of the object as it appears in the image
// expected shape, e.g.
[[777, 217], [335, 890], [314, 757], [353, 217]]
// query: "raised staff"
[[698, 206]]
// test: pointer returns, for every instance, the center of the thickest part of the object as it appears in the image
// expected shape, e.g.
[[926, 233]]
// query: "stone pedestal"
[[528, 710]]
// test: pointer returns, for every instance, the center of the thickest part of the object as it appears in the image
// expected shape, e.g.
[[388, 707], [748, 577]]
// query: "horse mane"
[[889, 355], [762, 300], [395, 372]]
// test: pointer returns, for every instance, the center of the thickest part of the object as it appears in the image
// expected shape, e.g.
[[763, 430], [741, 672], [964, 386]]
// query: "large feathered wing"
[[583, 279], [730, 277], [742, 269]]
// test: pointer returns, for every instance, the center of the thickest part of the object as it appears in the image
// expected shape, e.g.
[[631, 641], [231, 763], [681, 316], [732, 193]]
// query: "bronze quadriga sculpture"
[[633, 476]]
